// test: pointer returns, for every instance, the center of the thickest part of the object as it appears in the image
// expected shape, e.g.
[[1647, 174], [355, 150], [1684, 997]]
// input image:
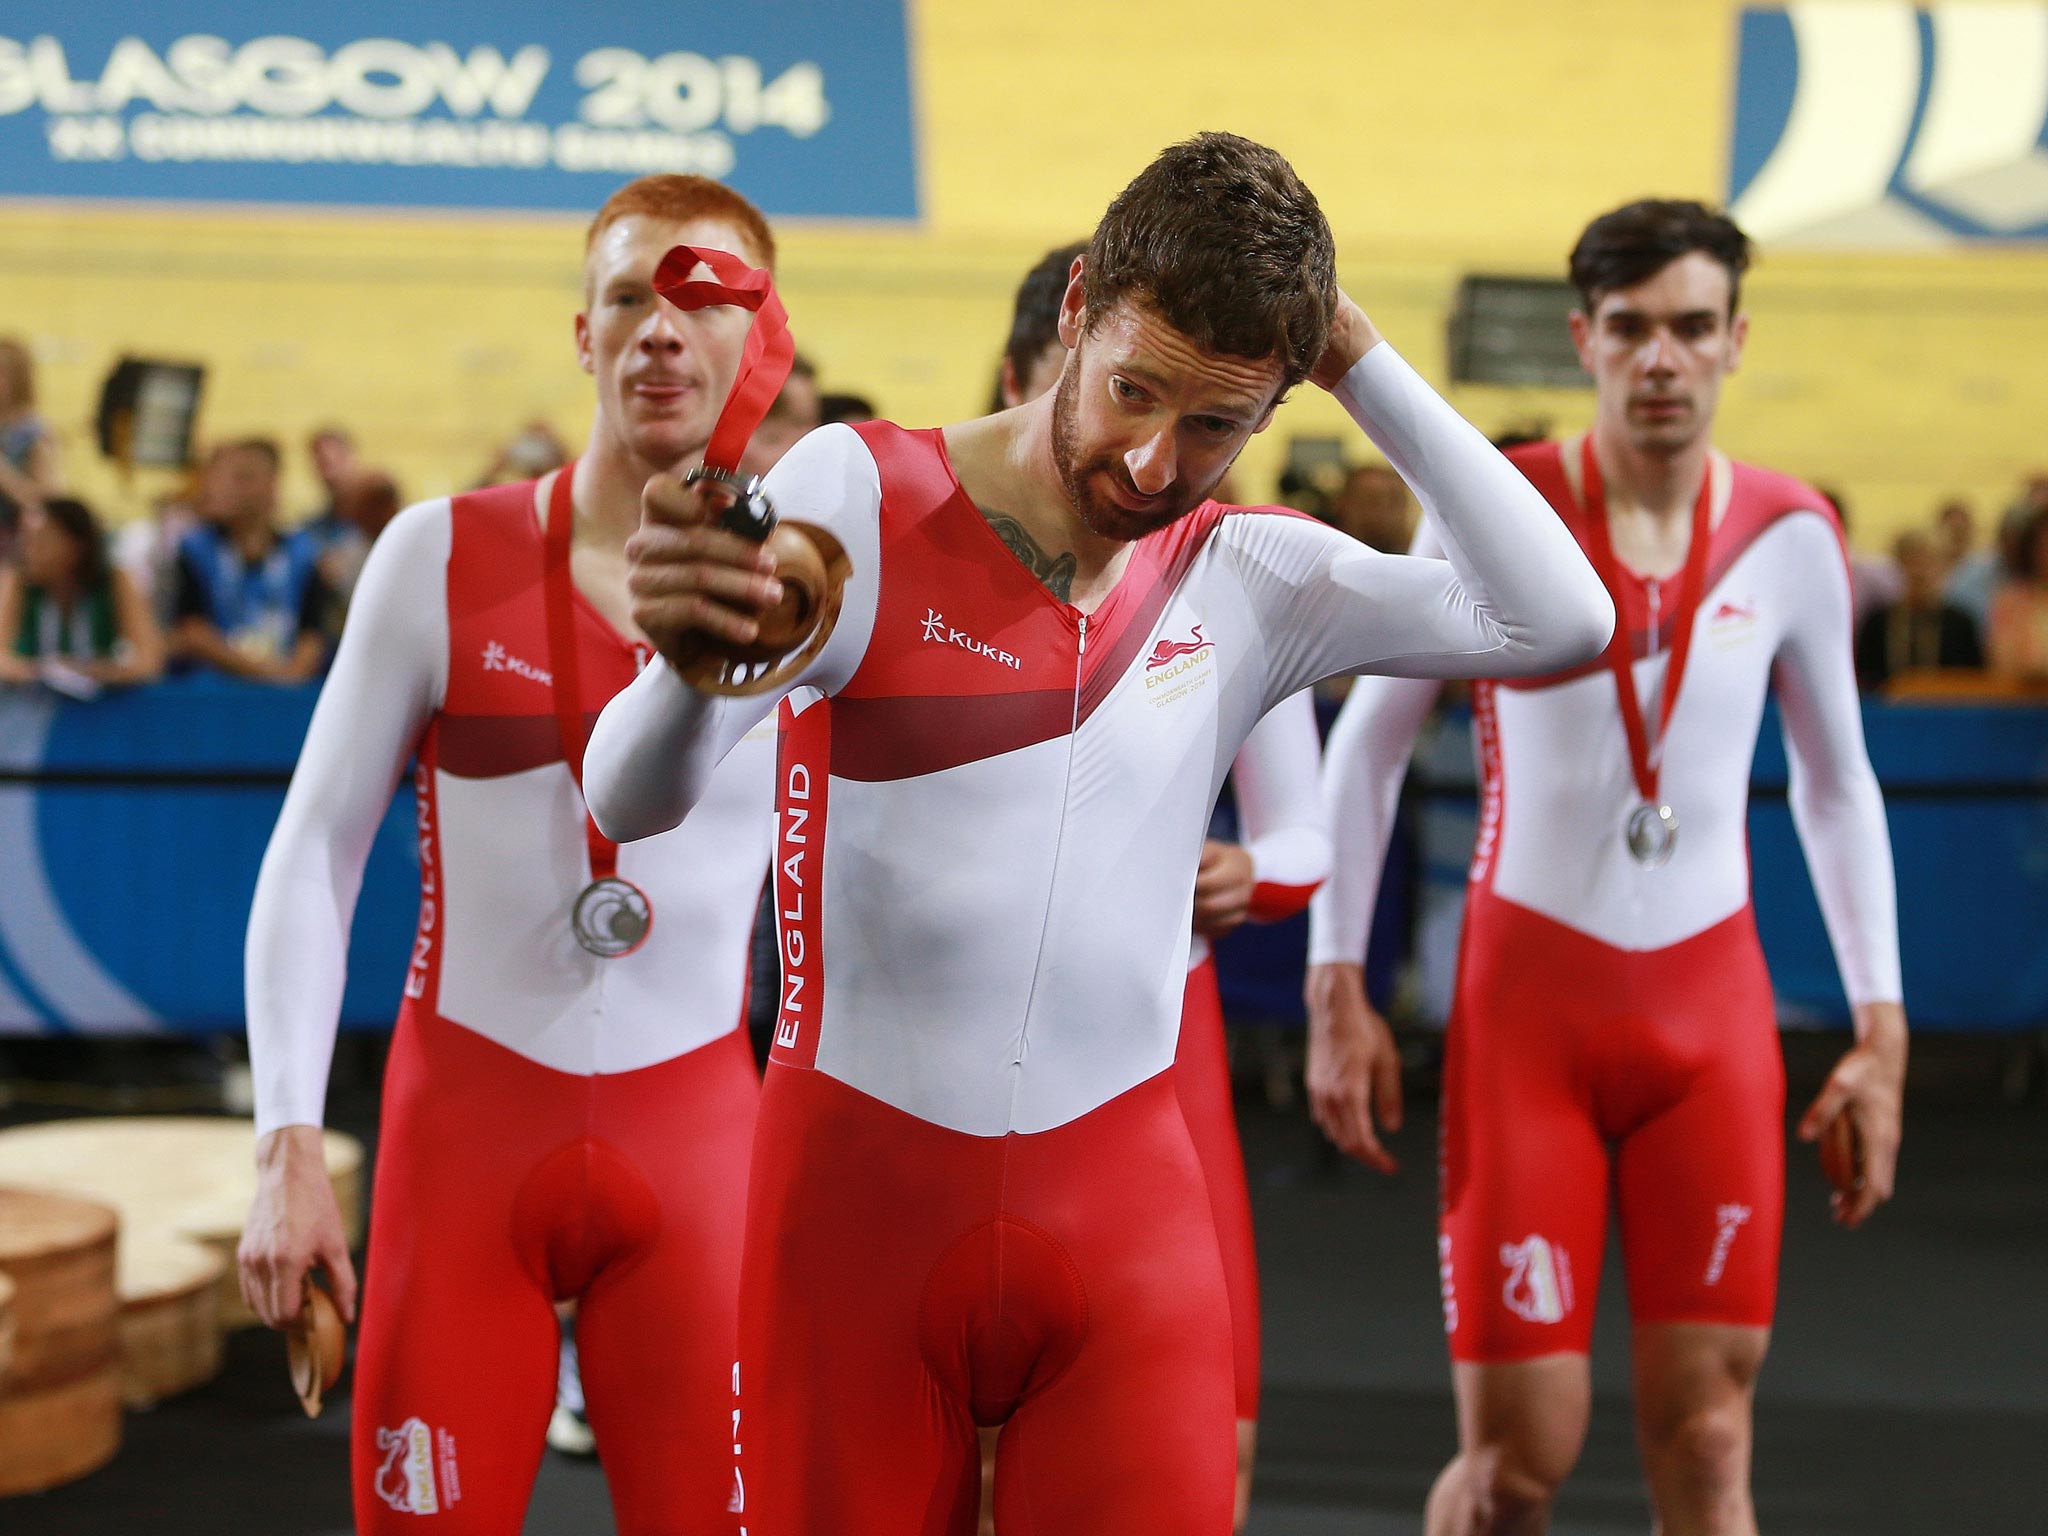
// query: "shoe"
[[569, 1432]]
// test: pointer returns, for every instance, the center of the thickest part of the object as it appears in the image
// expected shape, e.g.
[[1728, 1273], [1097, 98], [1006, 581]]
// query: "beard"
[[1102, 516]]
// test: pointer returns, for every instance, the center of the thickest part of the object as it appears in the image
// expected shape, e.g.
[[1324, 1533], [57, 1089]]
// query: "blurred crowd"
[[219, 576], [1948, 599]]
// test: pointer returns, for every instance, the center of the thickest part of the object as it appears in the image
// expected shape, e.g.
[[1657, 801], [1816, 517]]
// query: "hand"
[[1352, 335], [1869, 1086], [1223, 888], [694, 584], [302, 663], [294, 1226], [18, 669], [1354, 1072]]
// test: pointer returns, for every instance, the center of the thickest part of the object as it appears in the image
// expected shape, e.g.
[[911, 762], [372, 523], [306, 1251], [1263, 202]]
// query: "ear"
[[586, 359], [1073, 307], [1738, 338], [1582, 337]]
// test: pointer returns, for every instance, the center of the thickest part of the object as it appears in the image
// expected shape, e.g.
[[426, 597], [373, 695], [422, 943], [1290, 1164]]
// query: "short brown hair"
[[1035, 319], [265, 448], [19, 365], [1634, 243], [1228, 246], [678, 200]]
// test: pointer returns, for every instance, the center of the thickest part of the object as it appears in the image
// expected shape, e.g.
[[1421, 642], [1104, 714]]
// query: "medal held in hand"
[[316, 1343], [1651, 830], [809, 562], [1841, 1155], [610, 917]]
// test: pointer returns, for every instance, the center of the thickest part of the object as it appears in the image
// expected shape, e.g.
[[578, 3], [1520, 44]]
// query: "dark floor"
[[1905, 1393]]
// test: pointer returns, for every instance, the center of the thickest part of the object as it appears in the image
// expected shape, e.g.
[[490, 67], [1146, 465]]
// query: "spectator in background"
[[534, 452], [1374, 507], [363, 503], [2019, 608], [67, 617], [333, 455], [1522, 433], [28, 453], [145, 549], [1971, 584], [850, 409], [1034, 355], [249, 599], [1299, 490], [1955, 532], [1874, 581], [794, 413], [1920, 629]]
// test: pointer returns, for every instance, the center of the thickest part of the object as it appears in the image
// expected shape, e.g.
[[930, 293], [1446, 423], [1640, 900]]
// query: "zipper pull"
[[1082, 648]]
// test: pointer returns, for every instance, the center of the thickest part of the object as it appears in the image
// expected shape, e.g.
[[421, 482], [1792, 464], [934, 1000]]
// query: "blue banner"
[[802, 105]]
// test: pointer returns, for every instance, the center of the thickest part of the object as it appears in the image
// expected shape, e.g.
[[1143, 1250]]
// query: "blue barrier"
[[1966, 794], [131, 830]]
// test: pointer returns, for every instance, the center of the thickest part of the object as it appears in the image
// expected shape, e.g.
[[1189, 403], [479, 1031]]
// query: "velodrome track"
[[1903, 1396]]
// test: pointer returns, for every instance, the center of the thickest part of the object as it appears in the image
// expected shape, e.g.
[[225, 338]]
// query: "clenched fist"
[[695, 585]]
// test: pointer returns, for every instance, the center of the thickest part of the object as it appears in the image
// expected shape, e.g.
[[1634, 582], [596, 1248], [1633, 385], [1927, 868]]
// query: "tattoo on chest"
[[1054, 572]]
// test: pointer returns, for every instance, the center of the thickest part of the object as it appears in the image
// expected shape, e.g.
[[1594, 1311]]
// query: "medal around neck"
[[1652, 835], [611, 918]]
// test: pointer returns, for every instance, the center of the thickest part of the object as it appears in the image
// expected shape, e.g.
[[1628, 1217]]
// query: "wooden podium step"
[[170, 1317], [6, 1328], [60, 1402], [188, 1177]]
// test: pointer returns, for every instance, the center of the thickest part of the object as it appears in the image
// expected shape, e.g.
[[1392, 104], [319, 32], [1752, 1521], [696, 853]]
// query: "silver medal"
[[611, 917], [1652, 835]]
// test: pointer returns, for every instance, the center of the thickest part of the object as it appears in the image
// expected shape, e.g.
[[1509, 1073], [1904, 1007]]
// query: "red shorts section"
[[1574, 1068], [905, 1282], [502, 1187], [1203, 1068]]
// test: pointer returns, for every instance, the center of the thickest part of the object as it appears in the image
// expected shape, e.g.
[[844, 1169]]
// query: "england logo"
[[1538, 1288]]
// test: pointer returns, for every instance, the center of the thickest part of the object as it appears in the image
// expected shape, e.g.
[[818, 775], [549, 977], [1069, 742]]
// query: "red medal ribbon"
[[769, 351], [1645, 757], [563, 669]]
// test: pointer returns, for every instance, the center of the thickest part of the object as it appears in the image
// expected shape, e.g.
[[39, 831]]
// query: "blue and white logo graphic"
[[1868, 123]]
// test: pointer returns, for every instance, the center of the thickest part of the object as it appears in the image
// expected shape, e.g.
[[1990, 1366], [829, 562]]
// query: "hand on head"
[[1352, 335]]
